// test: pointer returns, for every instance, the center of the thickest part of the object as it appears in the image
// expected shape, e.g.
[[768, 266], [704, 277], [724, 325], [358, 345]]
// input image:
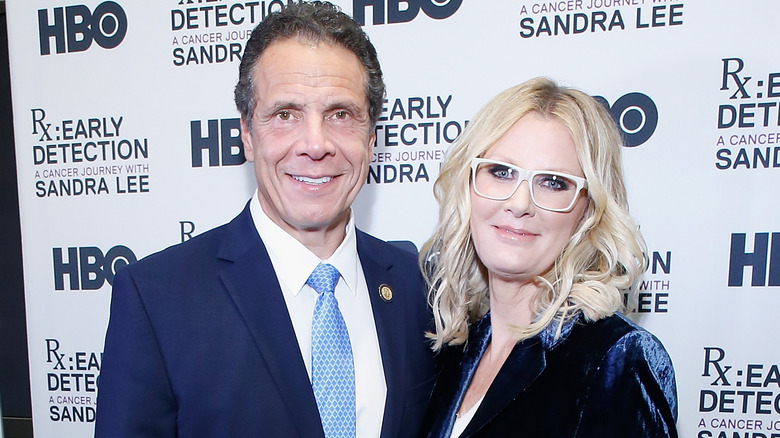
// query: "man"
[[215, 336]]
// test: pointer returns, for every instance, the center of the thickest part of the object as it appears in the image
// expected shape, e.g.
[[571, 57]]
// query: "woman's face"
[[515, 239]]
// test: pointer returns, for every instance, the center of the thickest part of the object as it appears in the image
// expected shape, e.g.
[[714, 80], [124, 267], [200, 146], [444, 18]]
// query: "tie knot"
[[324, 278]]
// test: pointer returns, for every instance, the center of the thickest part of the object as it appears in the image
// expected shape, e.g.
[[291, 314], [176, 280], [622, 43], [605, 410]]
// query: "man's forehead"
[[300, 52], [296, 69]]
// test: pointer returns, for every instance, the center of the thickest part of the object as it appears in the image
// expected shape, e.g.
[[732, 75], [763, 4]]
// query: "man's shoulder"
[[185, 254], [198, 251], [395, 251]]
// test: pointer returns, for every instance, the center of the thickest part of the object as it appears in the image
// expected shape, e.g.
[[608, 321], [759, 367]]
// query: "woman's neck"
[[510, 309]]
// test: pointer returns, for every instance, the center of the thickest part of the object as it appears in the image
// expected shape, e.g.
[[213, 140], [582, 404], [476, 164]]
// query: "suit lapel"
[[523, 366], [389, 318], [251, 282]]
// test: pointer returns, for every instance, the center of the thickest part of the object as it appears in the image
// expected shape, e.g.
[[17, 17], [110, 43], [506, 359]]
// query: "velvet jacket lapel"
[[389, 318], [251, 281], [522, 368]]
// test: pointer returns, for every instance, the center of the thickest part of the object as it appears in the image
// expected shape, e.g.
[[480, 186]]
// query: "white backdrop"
[[111, 98]]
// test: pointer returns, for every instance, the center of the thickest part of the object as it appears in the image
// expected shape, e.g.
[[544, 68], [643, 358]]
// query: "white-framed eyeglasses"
[[553, 191]]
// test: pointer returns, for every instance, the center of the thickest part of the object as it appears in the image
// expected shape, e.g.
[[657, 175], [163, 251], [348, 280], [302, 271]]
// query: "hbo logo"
[[636, 115], [437, 9], [75, 27], [87, 267]]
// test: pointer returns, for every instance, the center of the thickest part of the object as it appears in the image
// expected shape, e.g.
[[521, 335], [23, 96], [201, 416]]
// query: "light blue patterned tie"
[[332, 370]]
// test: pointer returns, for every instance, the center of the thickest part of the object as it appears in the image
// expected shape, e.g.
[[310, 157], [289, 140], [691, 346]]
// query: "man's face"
[[310, 138]]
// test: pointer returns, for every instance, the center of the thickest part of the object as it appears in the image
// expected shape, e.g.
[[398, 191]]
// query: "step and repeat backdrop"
[[127, 141]]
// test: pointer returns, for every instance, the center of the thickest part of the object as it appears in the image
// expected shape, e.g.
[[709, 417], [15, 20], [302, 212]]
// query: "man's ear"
[[246, 139]]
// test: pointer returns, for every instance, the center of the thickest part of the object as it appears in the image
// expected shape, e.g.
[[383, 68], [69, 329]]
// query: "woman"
[[527, 268]]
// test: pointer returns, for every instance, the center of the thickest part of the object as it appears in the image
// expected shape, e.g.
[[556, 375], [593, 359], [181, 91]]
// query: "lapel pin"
[[386, 293]]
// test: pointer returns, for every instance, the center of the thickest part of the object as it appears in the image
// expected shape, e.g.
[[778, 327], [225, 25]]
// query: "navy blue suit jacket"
[[200, 343]]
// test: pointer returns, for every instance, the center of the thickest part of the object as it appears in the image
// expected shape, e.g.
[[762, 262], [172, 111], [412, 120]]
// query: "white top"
[[464, 420], [293, 263]]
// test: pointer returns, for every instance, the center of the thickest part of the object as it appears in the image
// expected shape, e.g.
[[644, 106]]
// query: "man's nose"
[[313, 140]]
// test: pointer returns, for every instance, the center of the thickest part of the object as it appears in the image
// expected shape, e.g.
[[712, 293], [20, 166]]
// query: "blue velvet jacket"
[[608, 378]]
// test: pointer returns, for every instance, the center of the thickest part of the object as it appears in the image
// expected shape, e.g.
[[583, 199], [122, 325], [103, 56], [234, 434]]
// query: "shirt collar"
[[293, 262]]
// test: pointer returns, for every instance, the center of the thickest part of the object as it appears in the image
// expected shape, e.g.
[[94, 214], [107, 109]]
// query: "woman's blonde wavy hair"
[[604, 257]]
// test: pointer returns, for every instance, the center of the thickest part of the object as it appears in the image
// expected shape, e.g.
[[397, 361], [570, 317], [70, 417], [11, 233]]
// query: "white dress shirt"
[[293, 263]]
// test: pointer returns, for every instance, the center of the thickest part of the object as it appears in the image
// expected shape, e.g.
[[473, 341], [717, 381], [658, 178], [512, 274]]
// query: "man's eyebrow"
[[356, 109], [278, 106]]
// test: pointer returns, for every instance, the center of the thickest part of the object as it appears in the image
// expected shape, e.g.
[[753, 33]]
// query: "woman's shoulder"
[[613, 329], [615, 345], [614, 338], [621, 332], [633, 357]]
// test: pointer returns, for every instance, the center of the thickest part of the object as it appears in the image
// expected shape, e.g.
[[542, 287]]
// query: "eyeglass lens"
[[548, 190]]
